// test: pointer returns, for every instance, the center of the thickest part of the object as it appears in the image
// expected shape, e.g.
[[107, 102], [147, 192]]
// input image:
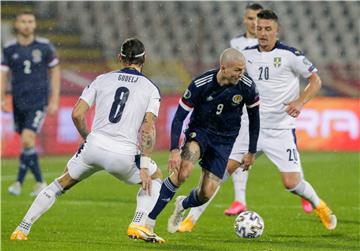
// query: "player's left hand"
[[53, 106], [247, 161], [294, 108], [145, 180]]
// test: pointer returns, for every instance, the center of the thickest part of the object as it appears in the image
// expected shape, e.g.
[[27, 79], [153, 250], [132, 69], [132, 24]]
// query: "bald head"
[[231, 56], [232, 67]]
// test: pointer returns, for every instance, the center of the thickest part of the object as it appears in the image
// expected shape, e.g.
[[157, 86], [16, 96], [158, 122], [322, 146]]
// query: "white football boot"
[[177, 216], [15, 188]]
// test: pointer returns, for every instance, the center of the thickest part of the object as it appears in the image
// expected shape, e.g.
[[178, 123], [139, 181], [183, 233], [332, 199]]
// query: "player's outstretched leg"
[[137, 228], [194, 214], [306, 191], [326, 216], [239, 205], [41, 204]]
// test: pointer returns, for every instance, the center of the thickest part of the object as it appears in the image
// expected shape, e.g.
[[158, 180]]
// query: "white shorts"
[[92, 158], [278, 145]]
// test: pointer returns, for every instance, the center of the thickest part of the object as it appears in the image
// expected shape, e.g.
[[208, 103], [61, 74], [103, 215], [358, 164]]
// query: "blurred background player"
[[239, 176], [216, 99], [127, 104], [275, 68], [33, 64]]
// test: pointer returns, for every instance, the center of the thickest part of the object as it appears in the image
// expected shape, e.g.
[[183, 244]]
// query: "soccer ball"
[[249, 224]]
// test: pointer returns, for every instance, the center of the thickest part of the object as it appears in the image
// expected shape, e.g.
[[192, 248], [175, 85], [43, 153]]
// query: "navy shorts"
[[31, 119], [215, 150]]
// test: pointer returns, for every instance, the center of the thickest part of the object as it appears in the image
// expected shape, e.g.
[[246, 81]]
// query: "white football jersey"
[[276, 74], [240, 43], [122, 98]]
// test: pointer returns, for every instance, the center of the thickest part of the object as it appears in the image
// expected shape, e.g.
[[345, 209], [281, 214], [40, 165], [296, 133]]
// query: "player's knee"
[[290, 184], [66, 181], [291, 180], [232, 166], [28, 140], [185, 171]]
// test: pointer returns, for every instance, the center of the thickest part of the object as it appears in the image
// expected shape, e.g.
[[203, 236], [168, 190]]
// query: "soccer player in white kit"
[[276, 69], [239, 176], [127, 104]]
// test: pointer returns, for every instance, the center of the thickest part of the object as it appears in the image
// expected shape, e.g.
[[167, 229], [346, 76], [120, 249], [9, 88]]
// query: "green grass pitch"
[[94, 215]]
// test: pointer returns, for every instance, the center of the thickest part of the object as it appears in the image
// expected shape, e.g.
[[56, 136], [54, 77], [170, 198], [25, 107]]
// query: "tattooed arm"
[[147, 134], [78, 117], [147, 142]]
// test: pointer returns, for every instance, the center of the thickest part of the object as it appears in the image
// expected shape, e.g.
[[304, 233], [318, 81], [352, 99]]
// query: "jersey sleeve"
[[4, 61], [303, 66], [252, 98], [89, 93], [154, 103], [188, 99], [51, 57]]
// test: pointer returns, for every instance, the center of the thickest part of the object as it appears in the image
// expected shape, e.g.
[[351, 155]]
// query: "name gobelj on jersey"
[[122, 98], [277, 77], [216, 108], [29, 67]]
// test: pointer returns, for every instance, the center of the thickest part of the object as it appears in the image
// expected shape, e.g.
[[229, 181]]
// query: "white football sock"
[[305, 190], [146, 202], [225, 177], [240, 179], [45, 199], [196, 212]]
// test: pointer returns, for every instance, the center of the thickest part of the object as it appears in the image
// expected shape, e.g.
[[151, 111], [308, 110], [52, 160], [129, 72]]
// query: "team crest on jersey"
[[187, 94], [36, 56], [15, 56], [237, 99], [277, 62], [192, 135]]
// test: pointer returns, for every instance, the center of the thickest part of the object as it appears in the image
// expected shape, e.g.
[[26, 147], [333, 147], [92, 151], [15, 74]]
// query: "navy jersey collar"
[[130, 70], [26, 46], [277, 44]]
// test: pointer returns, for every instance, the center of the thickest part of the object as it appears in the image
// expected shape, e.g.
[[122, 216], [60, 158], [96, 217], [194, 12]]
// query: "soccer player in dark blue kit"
[[216, 99], [33, 64]]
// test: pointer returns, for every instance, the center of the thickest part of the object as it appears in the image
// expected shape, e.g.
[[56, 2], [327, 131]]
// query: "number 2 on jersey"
[[120, 98], [27, 68]]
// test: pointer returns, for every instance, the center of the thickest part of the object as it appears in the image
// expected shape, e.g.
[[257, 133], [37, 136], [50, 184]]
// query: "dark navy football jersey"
[[218, 109], [29, 67]]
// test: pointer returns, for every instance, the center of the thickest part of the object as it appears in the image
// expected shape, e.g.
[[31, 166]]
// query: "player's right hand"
[[145, 180], [174, 161]]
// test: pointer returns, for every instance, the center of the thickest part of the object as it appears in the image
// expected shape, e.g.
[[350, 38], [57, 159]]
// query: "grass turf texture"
[[95, 214]]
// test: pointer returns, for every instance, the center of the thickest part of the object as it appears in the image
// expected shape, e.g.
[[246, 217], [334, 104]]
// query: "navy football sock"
[[22, 169], [191, 200], [167, 192], [33, 163]]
